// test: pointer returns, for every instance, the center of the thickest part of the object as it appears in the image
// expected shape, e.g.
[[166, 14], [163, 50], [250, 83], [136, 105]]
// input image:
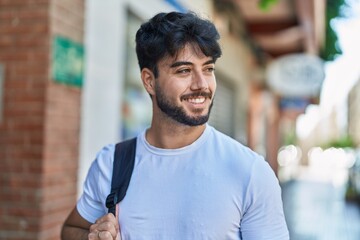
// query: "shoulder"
[[230, 147], [91, 204], [105, 156], [101, 169], [240, 159]]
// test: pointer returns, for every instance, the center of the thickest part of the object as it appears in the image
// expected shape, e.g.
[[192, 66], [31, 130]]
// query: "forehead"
[[190, 53]]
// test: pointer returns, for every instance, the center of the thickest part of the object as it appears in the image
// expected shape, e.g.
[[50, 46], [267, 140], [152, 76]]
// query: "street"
[[317, 210]]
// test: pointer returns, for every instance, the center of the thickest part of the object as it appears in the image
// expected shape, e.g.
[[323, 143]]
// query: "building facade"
[[354, 114], [40, 114], [70, 84]]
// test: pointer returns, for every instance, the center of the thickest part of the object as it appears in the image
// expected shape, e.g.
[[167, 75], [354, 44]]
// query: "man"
[[189, 181]]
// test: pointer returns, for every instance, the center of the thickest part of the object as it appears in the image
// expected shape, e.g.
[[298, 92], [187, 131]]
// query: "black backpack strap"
[[124, 159]]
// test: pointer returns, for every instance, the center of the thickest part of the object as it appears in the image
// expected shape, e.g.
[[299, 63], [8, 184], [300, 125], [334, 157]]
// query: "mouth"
[[197, 98]]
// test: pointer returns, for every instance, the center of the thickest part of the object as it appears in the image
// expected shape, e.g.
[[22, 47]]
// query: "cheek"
[[171, 92], [177, 88], [212, 86]]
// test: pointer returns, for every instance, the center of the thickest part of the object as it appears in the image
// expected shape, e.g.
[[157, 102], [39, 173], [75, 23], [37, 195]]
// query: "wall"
[[236, 64], [39, 131], [100, 115]]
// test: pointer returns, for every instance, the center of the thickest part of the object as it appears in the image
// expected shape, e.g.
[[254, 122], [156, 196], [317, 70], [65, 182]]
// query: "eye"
[[210, 69], [183, 70]]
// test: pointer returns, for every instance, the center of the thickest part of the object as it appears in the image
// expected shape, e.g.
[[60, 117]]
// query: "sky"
[[341, 74]]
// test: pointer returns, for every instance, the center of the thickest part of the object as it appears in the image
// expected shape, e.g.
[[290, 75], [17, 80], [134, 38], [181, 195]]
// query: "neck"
[[173, 135]]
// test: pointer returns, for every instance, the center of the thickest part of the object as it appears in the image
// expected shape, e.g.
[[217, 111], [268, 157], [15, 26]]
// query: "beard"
[[178, 113]]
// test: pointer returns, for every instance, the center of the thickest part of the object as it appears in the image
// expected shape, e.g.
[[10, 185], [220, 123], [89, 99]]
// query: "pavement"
[[315, 208]]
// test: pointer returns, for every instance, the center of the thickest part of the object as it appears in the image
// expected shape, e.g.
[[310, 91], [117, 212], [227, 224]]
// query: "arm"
[[263, 217], [75, 227], [88, 218]]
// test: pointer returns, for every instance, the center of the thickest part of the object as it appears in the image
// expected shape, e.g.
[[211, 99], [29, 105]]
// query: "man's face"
[[185, 86]]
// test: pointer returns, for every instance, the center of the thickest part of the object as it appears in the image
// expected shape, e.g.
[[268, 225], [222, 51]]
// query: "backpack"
[[124, 159]]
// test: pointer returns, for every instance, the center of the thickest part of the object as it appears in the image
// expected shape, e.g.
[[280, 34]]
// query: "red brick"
[[24, 29], [39, 134]]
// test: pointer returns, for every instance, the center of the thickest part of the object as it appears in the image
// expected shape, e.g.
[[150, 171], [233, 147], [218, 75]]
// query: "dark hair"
[[167, 33]]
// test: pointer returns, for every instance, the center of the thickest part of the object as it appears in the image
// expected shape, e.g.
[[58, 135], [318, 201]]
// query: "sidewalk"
[[316, 210]]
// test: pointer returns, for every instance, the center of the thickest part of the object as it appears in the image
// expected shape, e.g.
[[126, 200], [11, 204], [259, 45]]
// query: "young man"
[[189, 181]]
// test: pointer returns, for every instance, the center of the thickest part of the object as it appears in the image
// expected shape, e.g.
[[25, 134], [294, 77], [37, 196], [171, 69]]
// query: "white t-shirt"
[[214, 188]]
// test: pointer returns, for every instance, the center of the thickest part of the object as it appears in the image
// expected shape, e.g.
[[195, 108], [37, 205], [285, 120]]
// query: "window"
[[136, 109]]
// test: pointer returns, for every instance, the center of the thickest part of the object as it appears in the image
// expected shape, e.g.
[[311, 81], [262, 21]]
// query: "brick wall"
[[39, 132]]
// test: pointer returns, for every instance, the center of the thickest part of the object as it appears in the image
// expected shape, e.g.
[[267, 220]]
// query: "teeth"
[[197, 100]]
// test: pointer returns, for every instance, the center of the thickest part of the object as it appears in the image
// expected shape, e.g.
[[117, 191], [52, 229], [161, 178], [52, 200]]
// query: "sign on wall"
[[296, 75], [67, 61]]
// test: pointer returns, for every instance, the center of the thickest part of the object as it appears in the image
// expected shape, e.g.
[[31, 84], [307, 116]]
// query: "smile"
[[197, 100]]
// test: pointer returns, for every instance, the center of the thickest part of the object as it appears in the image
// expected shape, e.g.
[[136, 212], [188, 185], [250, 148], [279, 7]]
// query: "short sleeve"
[[263, 218], [97, 185]]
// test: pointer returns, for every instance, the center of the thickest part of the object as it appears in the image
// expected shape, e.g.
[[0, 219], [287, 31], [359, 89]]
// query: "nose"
[[199, 81]]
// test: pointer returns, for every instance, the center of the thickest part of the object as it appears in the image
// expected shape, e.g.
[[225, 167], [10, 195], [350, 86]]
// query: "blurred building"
[[286, 38], [68, 87], [41, 52], [354, 113]]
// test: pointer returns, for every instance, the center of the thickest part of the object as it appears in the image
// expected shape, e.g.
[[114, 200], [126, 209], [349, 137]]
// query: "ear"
[[148, 80]]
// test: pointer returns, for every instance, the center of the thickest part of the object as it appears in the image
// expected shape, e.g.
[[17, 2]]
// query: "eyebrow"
[[180, 63]]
